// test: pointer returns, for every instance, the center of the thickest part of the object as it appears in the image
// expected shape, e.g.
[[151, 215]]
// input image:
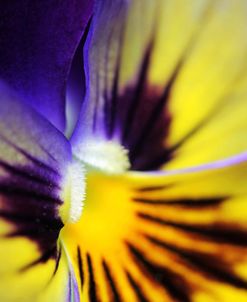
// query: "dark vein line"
[[137, 288], [175, 284], [213, 266], [11, 190], [156, 112], [42, 259], [92, 286], [154, 188], [221, 233], [36, 161], [137, 93], [26, 174], [57, 260], [80, 265], [115, 294], [187, 203]]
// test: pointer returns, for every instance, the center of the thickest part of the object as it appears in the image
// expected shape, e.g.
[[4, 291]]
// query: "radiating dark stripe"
[[187, 203], [11, 190], [47, 152], [211, 265], [80, 265], [155, 115], [153, 188], [27, 218], [40, 164], [217, 232], [156, 162], [27, 174], [92, 291], [115, 296], [42, 259], [59, 254], [136, 97], [44, 234], [174, 284], [137, 288], [33, 218]]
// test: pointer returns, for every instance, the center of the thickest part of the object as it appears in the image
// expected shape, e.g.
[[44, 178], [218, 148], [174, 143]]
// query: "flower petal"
[[159, 84], [179, 237], [33, 159], [38, 41]]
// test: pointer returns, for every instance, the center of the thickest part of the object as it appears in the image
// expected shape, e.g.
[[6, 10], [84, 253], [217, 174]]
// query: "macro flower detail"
[[123, 151]]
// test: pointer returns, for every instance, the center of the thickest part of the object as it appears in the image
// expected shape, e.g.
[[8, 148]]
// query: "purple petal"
[[38, 41]]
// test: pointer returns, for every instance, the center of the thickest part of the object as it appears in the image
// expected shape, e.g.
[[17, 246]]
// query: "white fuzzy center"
[[107, 156]]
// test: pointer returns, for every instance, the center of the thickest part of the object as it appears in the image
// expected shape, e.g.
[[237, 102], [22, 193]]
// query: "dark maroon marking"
[[137, 288], [154, 188], [146, 122], [173, 283], [58, 258], [154, 118], [30, 203], [27, 173], [186, 203], [217, 232], [92, 292], [44, 258], [143, 154], [13, 191], [137, 94], [211, 265], [80, 266], [115, 296]]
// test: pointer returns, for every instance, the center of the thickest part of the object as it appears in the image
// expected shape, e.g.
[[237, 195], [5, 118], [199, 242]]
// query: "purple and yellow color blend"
[[123, 151]]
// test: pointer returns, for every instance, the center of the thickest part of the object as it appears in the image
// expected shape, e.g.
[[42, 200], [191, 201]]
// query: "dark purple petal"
[[38, 40]]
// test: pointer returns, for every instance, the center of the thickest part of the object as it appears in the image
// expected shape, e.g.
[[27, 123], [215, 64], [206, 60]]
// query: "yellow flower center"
[[103, 221]]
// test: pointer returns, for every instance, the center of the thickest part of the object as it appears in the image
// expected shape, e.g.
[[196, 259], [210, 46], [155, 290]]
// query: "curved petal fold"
[[34, 157], [38, 41]]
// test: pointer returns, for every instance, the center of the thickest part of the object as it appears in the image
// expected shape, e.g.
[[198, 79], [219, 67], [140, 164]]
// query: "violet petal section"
[[38, 41]]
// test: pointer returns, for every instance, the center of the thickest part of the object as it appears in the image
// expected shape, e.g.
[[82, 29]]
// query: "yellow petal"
[[168, 80], [179, 237]]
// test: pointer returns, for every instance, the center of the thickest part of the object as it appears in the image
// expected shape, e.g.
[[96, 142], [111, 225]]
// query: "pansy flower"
[[123, 151]]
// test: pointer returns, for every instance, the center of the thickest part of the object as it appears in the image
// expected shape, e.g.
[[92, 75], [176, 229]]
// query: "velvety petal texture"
[[167, 80], [38, 40], [34, 158]]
